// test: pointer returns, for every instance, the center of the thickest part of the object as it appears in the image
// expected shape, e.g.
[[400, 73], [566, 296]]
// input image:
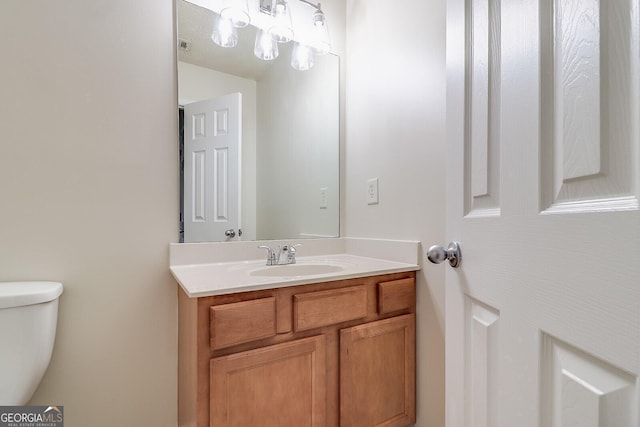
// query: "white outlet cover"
[[372, 191]]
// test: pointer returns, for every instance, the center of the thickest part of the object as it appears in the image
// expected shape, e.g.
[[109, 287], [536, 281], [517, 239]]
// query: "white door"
[[543, 179], [212, 147]]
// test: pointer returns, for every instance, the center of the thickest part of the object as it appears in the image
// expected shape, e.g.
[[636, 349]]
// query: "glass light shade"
[[224, 33], [265, 47], [237, 11], [301, 57], [281, 28], [319, 40]]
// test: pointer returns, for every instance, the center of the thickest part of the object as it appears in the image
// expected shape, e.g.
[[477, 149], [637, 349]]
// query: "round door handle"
[[437, 254], [231, 233]]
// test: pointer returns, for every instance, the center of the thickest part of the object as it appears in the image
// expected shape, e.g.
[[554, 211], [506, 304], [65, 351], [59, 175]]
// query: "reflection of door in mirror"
[[212, 147]]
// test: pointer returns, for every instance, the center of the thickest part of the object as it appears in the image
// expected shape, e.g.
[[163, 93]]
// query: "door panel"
[[579, 389], [377, 373], [589, 112], [481, 345], [280, 385], [482, 141], [543, 315]]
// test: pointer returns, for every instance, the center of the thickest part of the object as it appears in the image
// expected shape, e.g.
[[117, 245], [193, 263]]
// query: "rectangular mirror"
[[259, 139]]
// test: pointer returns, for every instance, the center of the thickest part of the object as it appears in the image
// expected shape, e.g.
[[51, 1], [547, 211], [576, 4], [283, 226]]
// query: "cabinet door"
[[280, 385], [377, 373]]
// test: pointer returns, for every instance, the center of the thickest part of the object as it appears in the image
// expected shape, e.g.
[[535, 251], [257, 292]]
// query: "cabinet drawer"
[[322, 308], [241, 322], [396, 295]]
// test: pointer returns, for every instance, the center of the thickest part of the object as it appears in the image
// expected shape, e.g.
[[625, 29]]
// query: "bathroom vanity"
[[329, 349]]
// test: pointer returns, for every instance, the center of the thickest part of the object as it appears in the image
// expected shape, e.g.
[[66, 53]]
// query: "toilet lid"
[[16, 294]]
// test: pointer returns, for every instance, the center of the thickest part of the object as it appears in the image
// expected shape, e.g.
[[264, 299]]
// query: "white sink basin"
[[292, 270]]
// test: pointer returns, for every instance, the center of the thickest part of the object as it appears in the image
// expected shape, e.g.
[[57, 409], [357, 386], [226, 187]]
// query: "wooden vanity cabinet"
[[339, 353]]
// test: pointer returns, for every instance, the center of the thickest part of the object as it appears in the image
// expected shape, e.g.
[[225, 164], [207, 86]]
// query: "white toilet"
[[28, 319]]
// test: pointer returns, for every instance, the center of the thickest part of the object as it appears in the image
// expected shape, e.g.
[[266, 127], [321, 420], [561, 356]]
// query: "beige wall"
[[89, 194], [395, 121]]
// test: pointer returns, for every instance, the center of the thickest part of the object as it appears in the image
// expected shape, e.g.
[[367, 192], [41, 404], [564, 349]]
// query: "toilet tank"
[[28, 322]]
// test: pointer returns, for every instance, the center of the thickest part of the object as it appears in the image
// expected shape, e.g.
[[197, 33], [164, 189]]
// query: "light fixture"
[[265, 47], [236, 11], [311, 37], [224, 32]]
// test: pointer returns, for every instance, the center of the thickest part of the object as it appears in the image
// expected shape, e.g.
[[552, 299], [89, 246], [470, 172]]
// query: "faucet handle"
[[271, 255], [290, 250]]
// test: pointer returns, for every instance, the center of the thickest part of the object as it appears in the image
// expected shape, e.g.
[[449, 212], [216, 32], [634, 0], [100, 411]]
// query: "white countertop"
[[202, 279]]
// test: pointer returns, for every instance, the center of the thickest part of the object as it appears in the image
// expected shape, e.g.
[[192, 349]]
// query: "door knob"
[[231, 233], [437, 254]]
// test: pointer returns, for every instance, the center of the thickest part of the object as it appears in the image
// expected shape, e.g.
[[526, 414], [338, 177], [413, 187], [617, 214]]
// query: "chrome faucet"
[[271, 255], [286, 254]]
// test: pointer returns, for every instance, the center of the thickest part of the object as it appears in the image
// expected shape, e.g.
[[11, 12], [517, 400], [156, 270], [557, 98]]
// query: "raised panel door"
[[377, 373], [543, 190], [282, 385], [212, 159]]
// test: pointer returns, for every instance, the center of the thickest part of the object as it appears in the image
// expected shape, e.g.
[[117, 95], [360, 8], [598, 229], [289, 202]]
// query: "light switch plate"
[[372, 191], [323, 197]]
